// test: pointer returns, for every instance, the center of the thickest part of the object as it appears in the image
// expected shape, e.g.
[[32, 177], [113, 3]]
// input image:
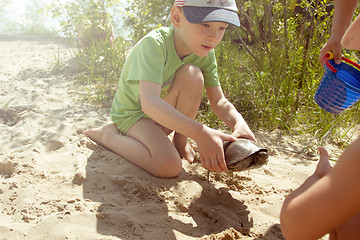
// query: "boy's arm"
[[163, 113], [209, 141], [343, 13], [228, 113]]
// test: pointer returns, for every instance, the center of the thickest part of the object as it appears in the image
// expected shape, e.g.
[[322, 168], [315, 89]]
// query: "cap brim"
[[210, 14], [351, 38]]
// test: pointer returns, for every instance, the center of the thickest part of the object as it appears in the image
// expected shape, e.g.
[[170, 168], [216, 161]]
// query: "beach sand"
[[57, 184]]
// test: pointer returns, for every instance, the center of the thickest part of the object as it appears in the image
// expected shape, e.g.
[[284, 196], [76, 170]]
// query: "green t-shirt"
[[154, 59]]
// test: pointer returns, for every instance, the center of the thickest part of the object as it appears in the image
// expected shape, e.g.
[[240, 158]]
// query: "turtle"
[[244, 154]]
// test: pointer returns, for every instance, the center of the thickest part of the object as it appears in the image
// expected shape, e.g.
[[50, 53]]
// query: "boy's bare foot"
[[186, 152], [97, 134], [323, 166]]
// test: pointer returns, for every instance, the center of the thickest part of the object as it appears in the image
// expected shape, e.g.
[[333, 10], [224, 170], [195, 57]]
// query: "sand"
[[57, 184]]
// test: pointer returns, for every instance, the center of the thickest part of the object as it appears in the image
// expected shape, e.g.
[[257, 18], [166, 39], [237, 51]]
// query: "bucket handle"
[[330, 55]]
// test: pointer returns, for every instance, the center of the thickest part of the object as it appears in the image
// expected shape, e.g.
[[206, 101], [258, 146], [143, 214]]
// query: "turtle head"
[[261, 157], [258, 159]]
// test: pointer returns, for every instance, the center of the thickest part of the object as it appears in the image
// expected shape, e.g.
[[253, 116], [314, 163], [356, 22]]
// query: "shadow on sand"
[[136, 205]]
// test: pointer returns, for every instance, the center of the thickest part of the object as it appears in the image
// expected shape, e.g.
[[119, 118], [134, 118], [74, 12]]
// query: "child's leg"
[[323, 166], [145, 145], [185, 95], [350, 229]]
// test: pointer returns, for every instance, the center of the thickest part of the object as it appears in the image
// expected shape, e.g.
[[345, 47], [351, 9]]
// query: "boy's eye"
[[205, 25], [224, 27]]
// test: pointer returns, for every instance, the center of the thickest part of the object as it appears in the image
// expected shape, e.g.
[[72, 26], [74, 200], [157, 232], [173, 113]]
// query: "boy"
[[160, 91]]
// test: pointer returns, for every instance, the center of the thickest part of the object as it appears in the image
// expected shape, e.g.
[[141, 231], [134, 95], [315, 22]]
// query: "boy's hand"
[[242, 130], [210, 144]]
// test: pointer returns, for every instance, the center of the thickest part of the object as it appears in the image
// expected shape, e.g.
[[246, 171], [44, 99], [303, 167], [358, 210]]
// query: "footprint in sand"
[[10, 116], [7, 167], [53, 145]]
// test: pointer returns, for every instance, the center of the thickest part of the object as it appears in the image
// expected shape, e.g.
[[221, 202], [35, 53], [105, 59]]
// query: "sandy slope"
[[57, 184]]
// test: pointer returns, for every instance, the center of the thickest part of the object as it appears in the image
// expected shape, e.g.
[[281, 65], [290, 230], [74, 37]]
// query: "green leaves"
[[268, 66], [88, 24], [272, 83], [144, 15]]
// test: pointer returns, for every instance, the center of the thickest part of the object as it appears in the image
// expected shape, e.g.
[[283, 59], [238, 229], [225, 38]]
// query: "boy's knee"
[[169, 167], [191, 75], [172, 170]]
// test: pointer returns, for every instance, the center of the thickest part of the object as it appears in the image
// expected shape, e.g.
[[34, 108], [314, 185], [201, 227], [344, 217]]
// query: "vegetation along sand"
[[57, 184]]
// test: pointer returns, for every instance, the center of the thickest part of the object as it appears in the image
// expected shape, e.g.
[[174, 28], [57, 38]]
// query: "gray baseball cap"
[[200, 11]]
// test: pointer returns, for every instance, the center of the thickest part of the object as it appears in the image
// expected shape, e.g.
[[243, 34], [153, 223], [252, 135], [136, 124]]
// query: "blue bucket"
[[339, 87]]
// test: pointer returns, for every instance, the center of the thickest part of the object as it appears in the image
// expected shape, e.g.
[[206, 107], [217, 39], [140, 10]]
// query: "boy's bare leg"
[[185, 95], [145, 145]]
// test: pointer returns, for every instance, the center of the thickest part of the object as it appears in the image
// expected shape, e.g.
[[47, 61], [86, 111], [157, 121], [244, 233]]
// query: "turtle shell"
[[244, 154]]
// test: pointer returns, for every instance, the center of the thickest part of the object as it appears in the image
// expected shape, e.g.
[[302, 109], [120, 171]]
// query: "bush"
[[268, 67], [88, 26], [271, 74]]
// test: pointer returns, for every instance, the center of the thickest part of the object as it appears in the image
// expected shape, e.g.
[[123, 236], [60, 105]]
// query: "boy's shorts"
[[125, 123]]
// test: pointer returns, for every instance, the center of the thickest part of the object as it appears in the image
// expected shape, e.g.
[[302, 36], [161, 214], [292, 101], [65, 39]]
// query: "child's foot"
[[323, 166], [186, 152], [97, 134]]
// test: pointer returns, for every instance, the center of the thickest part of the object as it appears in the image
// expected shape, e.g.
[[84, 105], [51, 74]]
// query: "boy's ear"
[[175, 16]]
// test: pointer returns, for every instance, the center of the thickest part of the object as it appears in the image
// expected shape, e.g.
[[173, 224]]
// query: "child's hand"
[[210, 144], [242, 130], [334, 46]]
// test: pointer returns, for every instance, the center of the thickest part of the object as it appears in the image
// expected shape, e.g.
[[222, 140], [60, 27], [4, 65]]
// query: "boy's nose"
[[213, 35]]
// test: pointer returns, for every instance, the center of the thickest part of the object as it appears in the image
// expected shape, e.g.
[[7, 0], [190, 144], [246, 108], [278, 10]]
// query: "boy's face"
[[199, 39]]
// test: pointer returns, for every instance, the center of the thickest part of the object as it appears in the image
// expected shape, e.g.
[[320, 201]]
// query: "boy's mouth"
[[206, 47]]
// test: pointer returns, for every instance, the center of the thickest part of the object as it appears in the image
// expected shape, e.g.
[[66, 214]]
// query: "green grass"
[[101, 65], [277, 92], [58, 62]]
